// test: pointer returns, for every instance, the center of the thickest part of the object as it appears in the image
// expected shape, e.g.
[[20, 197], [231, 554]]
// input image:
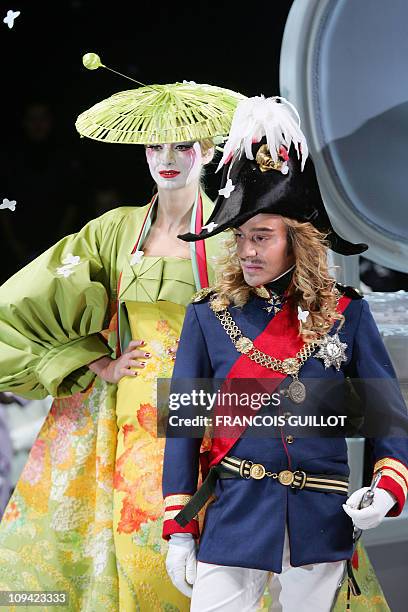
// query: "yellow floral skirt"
[[137, 499]]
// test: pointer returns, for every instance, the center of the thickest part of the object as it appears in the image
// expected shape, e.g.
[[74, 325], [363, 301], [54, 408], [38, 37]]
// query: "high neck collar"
[[281, 283]]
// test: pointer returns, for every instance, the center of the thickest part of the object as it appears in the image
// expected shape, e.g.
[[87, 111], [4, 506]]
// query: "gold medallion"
[[290, 366], [286, 477], [297, 391], [217, 305], [257, 471], [244, 345]]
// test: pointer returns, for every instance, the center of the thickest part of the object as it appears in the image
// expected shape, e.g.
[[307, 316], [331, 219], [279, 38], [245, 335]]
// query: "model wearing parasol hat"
[[128, 271]]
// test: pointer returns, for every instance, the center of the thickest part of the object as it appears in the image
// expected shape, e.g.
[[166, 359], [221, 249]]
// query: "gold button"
[[257, 471], [286, 477], [289, 439]]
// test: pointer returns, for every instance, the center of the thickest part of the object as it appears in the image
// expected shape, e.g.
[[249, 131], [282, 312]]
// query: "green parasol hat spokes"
[[157, 114]]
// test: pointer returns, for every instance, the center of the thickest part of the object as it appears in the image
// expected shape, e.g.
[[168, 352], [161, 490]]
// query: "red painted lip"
[[169, 173]]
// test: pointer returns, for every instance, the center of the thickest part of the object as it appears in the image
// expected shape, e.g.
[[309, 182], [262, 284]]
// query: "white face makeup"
[[174, 165]]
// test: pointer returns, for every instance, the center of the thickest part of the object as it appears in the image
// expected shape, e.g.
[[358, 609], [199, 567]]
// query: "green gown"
[[57, 315]]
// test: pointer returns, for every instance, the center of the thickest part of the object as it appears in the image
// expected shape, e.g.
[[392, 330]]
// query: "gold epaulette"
[[201, 294], [350, 292]]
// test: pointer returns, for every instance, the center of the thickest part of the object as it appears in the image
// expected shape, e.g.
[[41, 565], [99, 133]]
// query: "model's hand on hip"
[[181, 562], [372, 516], [112, 370]]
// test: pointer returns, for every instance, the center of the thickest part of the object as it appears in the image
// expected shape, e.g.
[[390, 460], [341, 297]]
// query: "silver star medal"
[[333, 351]]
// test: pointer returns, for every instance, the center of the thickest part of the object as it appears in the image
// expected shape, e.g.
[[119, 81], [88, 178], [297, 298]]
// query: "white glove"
[[367, 518], [181, 563]]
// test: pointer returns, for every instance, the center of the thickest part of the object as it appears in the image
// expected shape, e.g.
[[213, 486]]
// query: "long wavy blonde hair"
[[312, 288]]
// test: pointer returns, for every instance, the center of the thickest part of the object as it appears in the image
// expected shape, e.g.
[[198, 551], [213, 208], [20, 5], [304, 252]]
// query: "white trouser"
[[309, 588]]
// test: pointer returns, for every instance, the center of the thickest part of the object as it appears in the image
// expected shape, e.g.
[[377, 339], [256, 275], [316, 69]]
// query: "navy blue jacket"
[[245, 525]]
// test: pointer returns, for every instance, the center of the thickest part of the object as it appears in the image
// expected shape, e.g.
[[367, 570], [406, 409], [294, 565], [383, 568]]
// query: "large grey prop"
[[344, 66]]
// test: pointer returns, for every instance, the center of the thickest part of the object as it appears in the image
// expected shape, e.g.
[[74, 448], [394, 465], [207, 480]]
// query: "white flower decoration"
[[11, 16], [64, 271], [71, 260], [210, 227], [302, 314], [227, 190], [136, 257], [11, 204], [284, 168]]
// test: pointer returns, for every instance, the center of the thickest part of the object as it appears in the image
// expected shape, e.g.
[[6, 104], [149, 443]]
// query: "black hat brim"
[[295, 195]]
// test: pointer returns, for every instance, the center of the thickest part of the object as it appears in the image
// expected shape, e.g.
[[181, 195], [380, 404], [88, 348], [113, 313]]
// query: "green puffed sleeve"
[[51, 313]]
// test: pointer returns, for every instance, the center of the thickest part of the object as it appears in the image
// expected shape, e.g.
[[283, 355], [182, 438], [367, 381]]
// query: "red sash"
[[201, 256], [280, 339]]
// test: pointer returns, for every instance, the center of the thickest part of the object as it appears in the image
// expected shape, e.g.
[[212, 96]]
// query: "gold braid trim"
[[388, 462], [171, 514], [177, 500], [396, 478]]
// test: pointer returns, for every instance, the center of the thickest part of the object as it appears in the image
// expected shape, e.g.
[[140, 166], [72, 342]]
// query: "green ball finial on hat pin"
[[92, 61], [160, 113]]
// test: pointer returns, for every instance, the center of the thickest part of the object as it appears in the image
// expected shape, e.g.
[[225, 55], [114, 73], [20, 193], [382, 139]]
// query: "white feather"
[[275, 118]]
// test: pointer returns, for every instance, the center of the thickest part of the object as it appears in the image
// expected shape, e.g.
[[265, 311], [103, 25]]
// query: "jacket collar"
[[277, 286]]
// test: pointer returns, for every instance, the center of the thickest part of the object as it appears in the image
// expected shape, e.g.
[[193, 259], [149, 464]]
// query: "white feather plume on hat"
[[275, 118]]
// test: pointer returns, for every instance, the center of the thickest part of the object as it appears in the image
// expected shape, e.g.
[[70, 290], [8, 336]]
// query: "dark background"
[[60, 180]]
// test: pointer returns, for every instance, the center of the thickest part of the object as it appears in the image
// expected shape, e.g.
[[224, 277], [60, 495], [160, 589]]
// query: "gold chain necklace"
[[289, 366]]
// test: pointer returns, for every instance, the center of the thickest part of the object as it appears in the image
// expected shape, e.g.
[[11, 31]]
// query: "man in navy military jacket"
[[275, 313]]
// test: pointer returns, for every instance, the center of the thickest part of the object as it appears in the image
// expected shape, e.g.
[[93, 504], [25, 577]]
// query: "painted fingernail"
[[147, 354], [142, 365], [142, 342]]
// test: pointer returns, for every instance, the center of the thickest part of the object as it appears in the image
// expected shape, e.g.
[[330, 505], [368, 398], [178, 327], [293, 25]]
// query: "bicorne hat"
[[267, 170]]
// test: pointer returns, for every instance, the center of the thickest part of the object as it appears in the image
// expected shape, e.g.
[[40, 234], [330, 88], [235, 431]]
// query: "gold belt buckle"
[[257, 471], [286, 477]]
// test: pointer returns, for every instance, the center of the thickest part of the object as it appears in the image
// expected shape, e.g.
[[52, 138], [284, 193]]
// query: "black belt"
[[233, 467]]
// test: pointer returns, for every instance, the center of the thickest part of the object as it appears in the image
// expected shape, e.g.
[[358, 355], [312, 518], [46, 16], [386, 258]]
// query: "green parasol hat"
[[157, 114]]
